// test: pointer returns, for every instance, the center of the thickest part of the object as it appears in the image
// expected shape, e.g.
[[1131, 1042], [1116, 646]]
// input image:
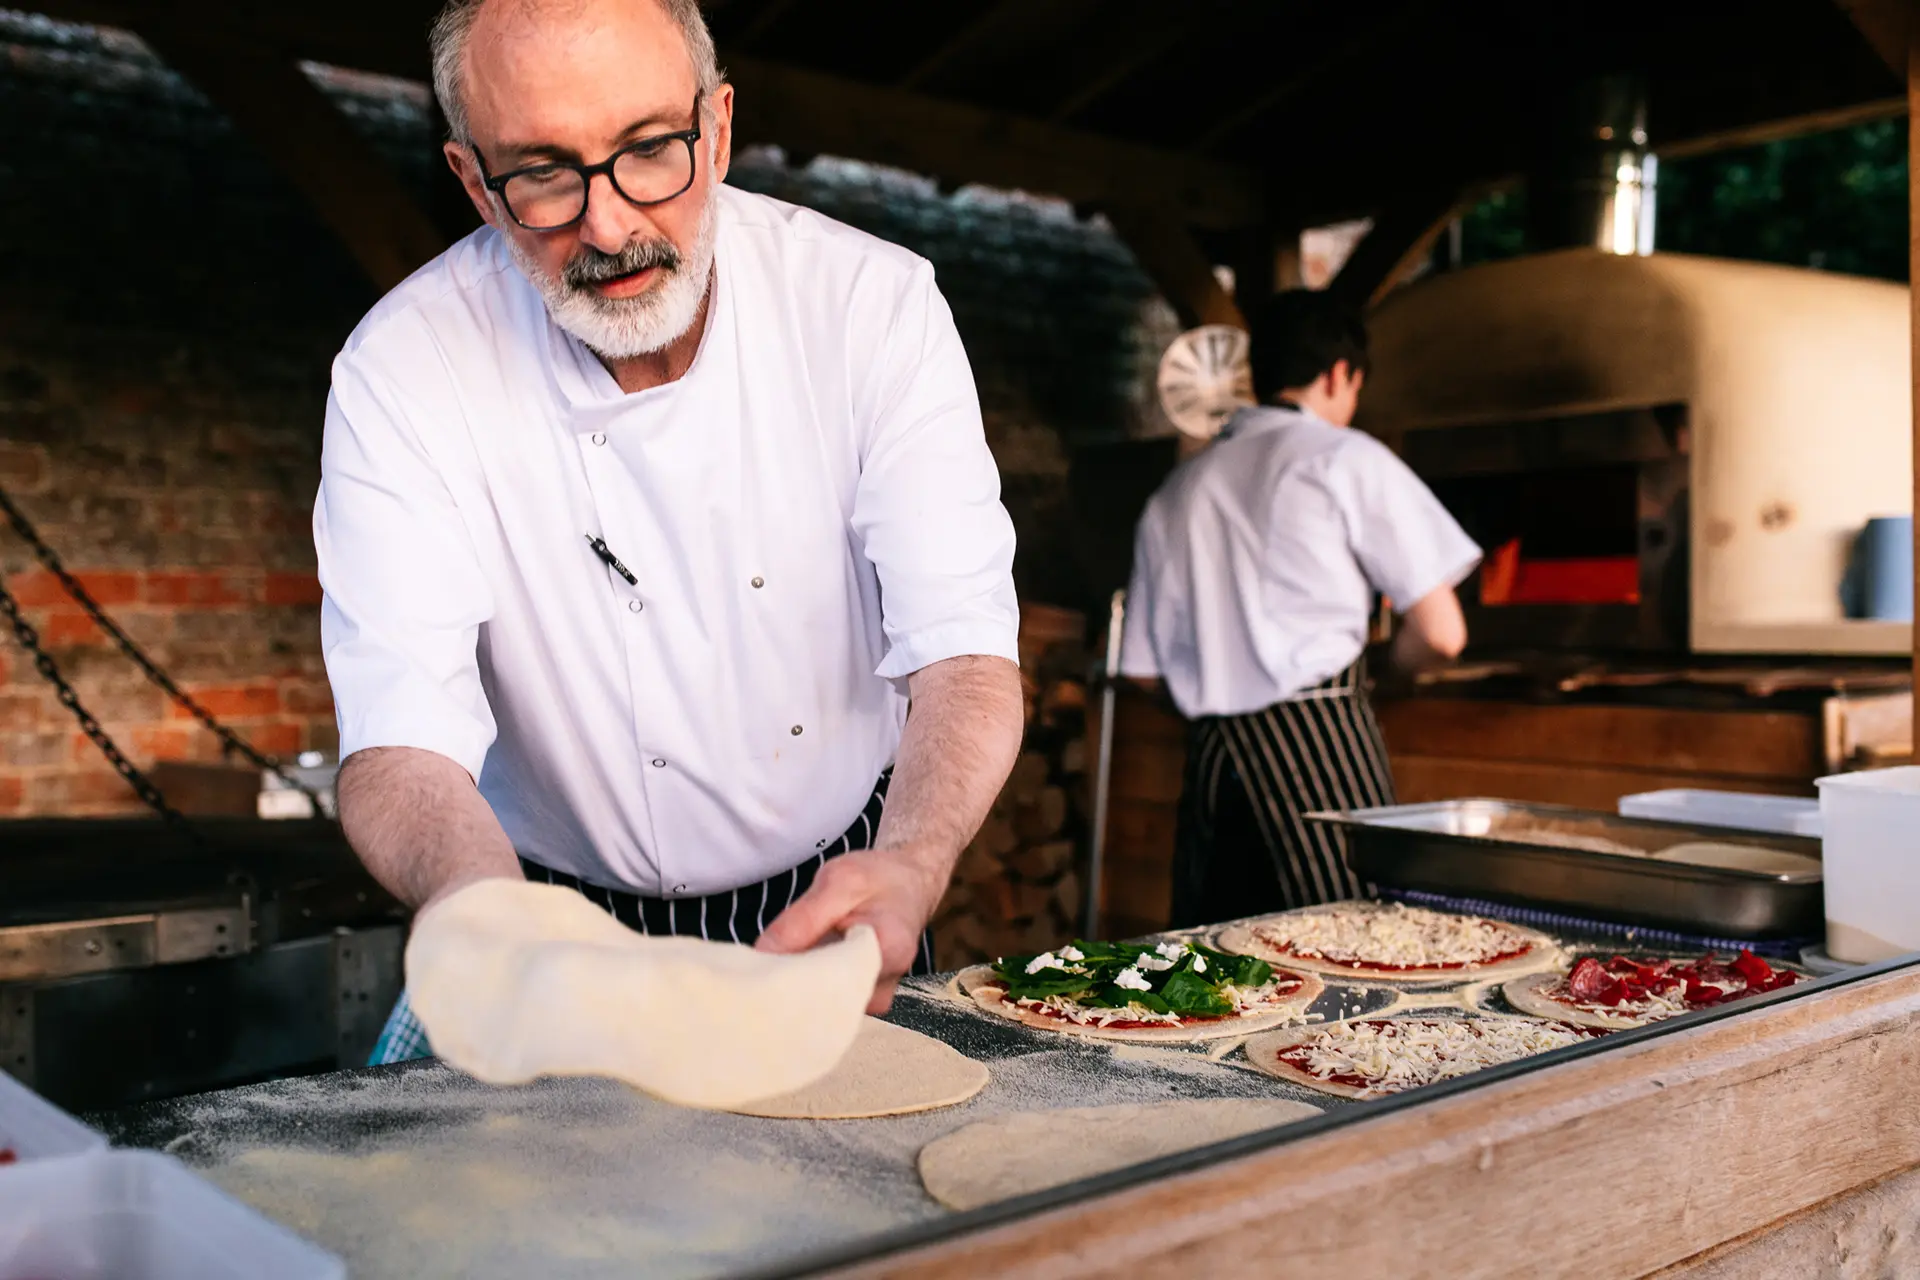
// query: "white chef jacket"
[[1255, 563], [812, 514]]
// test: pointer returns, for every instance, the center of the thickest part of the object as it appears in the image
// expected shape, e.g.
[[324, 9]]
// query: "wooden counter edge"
[[1614, 1165]]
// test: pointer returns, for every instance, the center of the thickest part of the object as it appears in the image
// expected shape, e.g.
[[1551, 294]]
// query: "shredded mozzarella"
[[1406, 1053], [1397, 935]]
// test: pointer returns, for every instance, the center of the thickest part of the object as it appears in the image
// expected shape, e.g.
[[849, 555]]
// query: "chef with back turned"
[[1256, 567], [646, 512]]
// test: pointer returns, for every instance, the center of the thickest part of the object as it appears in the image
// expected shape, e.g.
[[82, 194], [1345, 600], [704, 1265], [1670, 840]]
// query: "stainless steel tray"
[[1481, 848]]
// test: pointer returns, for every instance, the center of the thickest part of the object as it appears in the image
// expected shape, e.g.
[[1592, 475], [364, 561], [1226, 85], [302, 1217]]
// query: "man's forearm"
[[419, 824], [959, 746]]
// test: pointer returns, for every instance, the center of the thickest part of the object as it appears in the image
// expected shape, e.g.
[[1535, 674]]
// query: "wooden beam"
[[1175, 262], [816, 112], [1098, 67], [985, 23], [1719, 1129], [1400, 236], [269, 99]]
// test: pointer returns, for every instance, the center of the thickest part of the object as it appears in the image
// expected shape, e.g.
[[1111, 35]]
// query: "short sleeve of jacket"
[[1404, 540], [404, 593], [927, 507]]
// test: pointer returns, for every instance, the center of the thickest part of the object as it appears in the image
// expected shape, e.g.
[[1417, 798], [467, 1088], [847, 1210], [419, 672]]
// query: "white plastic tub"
[[1872, 855], [136, 1215], [1777, 815], [31, 1128]]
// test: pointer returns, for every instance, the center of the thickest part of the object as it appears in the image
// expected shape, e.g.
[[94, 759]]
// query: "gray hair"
[[447, 39]]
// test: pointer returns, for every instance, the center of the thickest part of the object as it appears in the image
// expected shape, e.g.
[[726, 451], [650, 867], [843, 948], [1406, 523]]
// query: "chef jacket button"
[[821, 845], [634, 606], [659, 763], [795, 731], [679, 888], [599, 437], [759, 582]]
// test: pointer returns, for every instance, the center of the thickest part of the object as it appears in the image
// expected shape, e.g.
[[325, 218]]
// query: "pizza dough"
[[514, 980], [1241, 939], [1028, 1151], [983, 985], [1528, 996], [1740, 857], [889, 1071]]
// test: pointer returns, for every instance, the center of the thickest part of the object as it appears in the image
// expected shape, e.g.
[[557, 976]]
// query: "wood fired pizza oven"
[[1659, 452]]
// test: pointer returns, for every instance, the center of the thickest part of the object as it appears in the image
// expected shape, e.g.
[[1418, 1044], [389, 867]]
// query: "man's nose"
[[612, 221]]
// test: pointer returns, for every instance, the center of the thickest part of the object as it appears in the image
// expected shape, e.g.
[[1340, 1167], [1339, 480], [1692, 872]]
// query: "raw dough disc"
[[981, 985], [1240, 939], [1028, 1151], [1740, 857], [1525, 994], [889, 1071], [514, 980]]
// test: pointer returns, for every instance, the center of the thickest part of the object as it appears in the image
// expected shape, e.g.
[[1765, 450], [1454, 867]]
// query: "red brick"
[[13, 795], [35, 589], [19, 711], [193, 587], [307, 698], [38, 588], [23, 467], [291, 588], [280, 739], [162, 742], [70, 628], [99, 792], [259, 698]]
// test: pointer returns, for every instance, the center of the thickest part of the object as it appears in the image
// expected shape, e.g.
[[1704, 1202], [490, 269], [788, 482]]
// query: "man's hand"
[[890, 889]]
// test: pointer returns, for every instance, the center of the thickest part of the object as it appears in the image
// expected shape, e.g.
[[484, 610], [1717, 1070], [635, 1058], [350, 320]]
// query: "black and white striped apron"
[[1242, 847], [735, 915]]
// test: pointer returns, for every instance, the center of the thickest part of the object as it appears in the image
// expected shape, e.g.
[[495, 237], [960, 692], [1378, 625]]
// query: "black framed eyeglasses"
[[553, 194]]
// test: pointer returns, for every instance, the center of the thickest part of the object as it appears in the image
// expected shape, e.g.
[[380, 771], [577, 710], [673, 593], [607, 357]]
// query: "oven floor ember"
[[419, 1170]]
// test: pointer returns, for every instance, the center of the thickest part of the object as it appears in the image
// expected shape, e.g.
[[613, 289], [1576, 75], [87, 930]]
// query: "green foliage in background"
[[1835, 201]]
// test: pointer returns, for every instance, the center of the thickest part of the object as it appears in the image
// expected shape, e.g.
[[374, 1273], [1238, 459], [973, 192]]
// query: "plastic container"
[[1872, 855], [31, 1128], [1737, 811], [137, 1215]]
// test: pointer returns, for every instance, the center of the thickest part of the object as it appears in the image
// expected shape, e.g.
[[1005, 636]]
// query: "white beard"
[[622, 328]]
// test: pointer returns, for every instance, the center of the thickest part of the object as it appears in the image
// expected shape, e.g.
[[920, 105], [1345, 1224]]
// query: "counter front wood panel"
[[1612, 1166]]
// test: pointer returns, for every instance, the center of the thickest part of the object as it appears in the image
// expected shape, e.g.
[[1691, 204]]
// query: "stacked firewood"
[[1018, 886]]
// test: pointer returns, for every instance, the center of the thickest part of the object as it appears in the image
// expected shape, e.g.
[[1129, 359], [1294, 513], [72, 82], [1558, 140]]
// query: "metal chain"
[[231, 743], [29, 639]]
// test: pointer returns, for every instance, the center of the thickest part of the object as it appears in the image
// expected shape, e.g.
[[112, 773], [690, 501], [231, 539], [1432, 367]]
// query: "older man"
[[650, 508]]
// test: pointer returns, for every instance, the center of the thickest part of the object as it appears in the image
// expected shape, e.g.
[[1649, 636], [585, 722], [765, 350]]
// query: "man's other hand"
[[889, 889]]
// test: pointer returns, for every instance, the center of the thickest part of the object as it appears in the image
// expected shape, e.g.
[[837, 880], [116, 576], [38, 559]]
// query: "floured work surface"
[[419, 1171]]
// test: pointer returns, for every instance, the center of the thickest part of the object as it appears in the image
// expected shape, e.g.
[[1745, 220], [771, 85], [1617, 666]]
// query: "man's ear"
[[460, 159]]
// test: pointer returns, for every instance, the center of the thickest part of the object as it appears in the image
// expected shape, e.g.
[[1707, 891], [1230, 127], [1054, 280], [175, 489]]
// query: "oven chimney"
[[1594, 184]]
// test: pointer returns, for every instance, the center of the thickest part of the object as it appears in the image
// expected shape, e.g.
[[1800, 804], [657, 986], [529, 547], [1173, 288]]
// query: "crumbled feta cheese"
[[1071, 952], [1044, 960], [1172, 950], [1199, 964], [1130, 979], [1152, 964]]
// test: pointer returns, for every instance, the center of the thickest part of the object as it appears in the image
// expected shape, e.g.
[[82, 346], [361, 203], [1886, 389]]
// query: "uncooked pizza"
[[1392, 942], [1374, 1057], [1620, 993], [1139, 991]]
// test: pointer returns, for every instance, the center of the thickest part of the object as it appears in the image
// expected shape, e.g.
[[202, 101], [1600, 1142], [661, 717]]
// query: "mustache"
[[592, 267]]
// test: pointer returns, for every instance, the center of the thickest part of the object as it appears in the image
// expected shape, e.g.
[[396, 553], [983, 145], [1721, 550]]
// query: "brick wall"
[[167, 313]]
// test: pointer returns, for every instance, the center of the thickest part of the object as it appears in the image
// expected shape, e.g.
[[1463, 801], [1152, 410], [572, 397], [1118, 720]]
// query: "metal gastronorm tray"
[[1457, 847]]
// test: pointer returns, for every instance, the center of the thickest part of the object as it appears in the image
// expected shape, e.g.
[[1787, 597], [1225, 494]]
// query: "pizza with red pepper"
[[1619, 994], [1391, 942]]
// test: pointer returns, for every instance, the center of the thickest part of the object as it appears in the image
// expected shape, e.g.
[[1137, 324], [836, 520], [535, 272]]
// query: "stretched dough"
[[889, 1071], [514, 980], [1028, 1151]]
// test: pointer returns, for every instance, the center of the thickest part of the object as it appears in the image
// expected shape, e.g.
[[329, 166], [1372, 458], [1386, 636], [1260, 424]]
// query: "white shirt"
[[1255, 563], [812, 514]]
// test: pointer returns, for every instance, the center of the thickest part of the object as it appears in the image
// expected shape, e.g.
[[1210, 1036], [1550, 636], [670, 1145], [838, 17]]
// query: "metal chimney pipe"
[[1596, 183]]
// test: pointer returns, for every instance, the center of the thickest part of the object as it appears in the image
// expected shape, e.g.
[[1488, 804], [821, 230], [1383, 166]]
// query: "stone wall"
[[168, 310]]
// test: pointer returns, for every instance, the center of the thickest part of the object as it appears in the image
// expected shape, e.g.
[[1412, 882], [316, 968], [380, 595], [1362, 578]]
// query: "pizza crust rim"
[[979, 984], [1525, 994], [1240, 939]]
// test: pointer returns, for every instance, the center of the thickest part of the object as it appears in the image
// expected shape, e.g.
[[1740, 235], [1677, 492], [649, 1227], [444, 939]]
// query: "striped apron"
[[1242, 847], [736, 915]]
